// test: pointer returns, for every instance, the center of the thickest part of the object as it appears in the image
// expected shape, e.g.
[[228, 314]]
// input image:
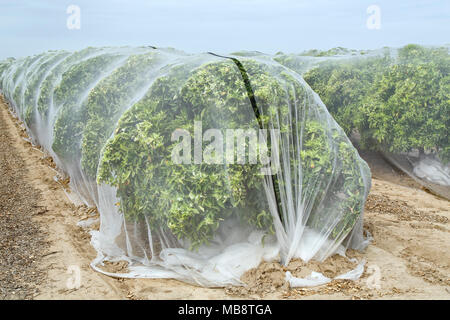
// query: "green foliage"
[[396, 104], [72, 116], [4, 65], [132, 150], [331, 52], [20, 82], [45, 99], [106, 102], [342, 85], [33, 86], [190, 200], [407, 109]]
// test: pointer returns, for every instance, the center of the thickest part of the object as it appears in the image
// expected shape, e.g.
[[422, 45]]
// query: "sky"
[[222, 26]]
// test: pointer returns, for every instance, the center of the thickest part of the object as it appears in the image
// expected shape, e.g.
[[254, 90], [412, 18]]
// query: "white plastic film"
[[317, 279]]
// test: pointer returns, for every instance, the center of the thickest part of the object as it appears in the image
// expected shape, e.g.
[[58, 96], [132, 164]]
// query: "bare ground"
[[408, 259], [22, 242]]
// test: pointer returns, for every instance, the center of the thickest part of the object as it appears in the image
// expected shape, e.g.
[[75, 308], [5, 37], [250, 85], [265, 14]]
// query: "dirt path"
[[44, 211], [22, 242], [409, 257]]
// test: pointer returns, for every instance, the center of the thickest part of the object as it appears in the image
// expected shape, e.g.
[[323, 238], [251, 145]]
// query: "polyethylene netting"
[[396, 101], [201, 166]]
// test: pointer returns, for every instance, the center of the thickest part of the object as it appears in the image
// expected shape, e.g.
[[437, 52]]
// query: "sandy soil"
[[22, 242], [409, 257]]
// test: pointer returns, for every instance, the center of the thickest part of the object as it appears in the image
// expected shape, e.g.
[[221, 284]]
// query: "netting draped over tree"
[[201, 166], [395, 101]]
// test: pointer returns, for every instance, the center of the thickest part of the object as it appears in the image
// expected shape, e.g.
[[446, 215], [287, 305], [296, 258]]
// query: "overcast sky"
[[32, 26]]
